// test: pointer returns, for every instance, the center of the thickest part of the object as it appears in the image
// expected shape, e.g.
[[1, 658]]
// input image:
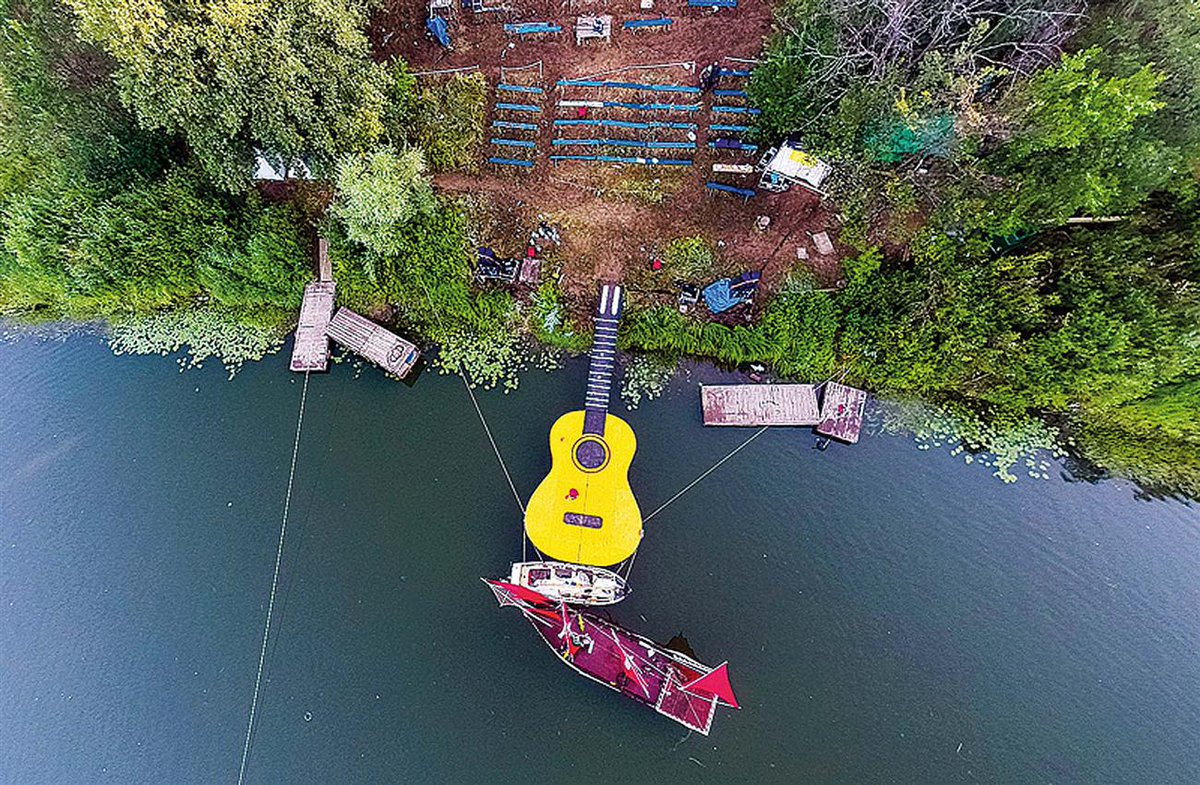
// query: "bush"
[[379, 194], [444, 117]]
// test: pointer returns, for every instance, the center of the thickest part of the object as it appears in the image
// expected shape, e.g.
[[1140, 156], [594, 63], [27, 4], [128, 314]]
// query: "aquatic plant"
[[961, 433], [233, 337], [645, 378], [489, 357]]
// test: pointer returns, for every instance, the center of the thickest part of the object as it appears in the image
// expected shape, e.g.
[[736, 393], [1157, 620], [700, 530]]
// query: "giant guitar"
[[584, 510]]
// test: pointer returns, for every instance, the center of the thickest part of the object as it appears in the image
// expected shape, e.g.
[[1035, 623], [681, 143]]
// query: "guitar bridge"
[[586, 521]]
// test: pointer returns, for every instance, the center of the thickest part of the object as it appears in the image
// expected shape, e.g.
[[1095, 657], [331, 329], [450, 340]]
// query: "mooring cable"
[[462, 372], [709, 471], [262, 654]]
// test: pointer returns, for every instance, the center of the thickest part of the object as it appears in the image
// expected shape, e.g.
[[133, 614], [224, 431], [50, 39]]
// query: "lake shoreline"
[[927, 424]]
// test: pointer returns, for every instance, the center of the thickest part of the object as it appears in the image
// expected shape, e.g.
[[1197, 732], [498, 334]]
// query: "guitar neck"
[[604, 349]]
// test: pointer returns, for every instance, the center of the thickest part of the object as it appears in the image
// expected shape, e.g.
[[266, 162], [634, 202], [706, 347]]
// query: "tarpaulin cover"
[[440, 31], [724, 294]]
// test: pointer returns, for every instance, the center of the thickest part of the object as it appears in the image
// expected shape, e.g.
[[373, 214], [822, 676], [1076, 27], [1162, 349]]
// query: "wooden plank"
[[842, 412], [372, 342], [324, 269], [823, 243], [759, 404], [311, 349]]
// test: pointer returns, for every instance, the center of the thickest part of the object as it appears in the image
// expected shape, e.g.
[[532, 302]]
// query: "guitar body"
[[584, 511]]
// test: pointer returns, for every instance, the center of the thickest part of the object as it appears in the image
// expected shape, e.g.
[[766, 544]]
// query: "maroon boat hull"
[[636, 667]]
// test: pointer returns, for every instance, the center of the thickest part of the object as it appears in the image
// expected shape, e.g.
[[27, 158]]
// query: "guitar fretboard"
[[604, 348]]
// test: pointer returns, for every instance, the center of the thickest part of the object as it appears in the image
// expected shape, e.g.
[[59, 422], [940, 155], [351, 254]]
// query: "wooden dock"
[[324, 268], [842, 412], [311, 350], [377, 344], [759, 404]]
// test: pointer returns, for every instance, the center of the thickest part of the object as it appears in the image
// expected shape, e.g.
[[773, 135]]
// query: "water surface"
[[890, 615]]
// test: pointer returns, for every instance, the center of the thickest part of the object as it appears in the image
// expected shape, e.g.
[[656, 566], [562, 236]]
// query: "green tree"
[[379, 194], [1062, 108], [292, 78]]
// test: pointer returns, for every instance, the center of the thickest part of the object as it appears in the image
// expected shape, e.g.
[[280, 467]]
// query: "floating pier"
[[377, 344], [759, 404], [311, 349], [842, 412]]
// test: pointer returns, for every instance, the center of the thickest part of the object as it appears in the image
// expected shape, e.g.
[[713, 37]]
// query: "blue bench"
[[531, 28], [736, 110], [653, 107], [627, 124], [713, 3], [734, 72], [513, 142], [514, 126], [510, 162], [561, 141], [516, 88], [745, 193], [642, 24], [732, 144], [615, 159], [737, 129], [654, 88], [519, 107], [730, 93]]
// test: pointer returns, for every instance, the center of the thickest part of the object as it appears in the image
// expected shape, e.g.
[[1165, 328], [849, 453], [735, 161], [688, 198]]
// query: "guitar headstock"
[[612, 301]]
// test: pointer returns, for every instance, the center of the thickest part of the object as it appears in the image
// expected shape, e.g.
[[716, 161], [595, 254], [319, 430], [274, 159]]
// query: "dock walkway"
[[311, 349], [377, 344], [842, 412], [759, 404]]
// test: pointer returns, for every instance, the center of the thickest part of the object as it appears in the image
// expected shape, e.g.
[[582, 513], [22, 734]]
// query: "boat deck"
[[377, 344], [628, 664]]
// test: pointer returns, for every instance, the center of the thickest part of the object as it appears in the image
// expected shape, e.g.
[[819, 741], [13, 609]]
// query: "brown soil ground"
[[607, 236]]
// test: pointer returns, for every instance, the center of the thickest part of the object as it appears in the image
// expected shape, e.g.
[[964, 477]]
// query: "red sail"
[[714, 683], [510, 593]]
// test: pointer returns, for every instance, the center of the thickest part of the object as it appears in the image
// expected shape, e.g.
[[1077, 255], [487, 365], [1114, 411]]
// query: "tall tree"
[[293, 78]]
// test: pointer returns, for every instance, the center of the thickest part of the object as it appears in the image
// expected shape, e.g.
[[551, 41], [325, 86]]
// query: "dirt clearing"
[[615, 217]]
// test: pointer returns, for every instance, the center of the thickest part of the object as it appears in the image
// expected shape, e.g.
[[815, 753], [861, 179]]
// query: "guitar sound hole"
[[591, 454]]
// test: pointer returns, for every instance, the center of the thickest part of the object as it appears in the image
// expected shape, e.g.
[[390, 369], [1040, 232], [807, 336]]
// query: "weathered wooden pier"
[[311, 349], [842, 412], [839, 416], [759, 404], [377, 344]]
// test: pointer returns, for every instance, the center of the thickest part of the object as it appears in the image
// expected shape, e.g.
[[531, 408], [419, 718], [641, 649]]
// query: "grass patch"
[[444, 117], [642, 186]]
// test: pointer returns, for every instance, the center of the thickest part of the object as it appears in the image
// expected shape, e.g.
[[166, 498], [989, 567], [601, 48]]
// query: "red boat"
[[670, 681]]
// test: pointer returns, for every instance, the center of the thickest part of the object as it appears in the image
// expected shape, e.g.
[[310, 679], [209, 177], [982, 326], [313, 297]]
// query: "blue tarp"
[[724, 294], [440, 31]]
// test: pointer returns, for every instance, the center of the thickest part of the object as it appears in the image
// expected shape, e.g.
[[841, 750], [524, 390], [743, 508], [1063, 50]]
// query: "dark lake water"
[[890, 615]]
